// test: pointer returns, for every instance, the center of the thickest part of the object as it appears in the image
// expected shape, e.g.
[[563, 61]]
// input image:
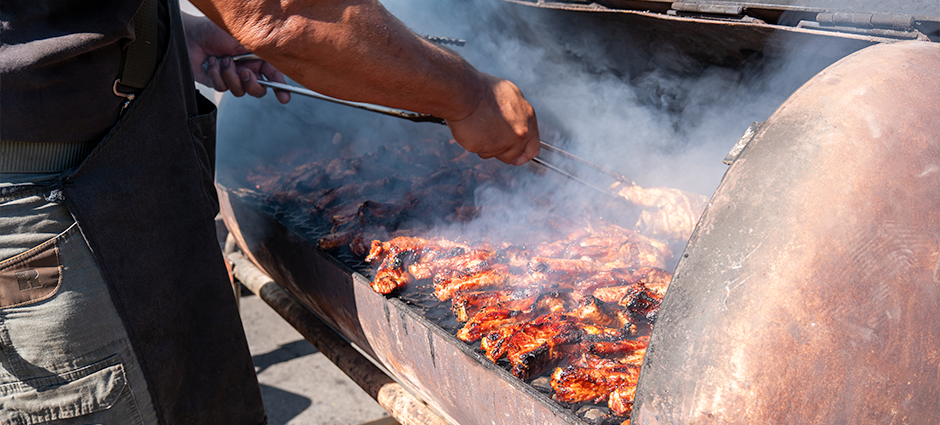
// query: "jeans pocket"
[[32, 276], [97, 393]]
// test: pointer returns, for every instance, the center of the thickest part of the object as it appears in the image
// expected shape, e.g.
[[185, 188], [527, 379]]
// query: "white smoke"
[[660, 127]]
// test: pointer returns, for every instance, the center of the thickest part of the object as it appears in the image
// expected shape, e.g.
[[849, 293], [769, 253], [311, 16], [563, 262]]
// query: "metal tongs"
[[608, 190], [398, 113], [418, 117]]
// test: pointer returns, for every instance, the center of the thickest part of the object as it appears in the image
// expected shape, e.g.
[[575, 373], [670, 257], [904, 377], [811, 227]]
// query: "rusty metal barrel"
[[810, 290]]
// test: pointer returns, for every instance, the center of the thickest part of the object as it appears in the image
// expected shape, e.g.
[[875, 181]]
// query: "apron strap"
[[140, 58]]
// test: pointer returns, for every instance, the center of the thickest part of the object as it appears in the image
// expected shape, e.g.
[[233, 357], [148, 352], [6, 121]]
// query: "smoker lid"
[[901, 7], [920, 8]]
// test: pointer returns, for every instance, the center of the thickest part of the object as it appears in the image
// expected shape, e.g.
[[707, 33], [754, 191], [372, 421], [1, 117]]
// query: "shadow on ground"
[[289, 405], [285, 352]]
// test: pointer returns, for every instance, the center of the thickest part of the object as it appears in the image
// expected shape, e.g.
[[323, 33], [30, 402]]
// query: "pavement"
[[299, 385]]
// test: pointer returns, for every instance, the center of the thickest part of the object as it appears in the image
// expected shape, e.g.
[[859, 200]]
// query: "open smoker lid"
[[923, 8]]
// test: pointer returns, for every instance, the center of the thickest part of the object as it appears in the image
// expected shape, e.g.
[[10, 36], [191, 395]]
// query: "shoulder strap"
[[141, 55]]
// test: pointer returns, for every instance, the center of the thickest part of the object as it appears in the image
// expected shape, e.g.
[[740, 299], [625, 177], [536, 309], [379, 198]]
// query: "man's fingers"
[[250, 83], [532, 150], [272, 74], [213, 74], [230, 76]]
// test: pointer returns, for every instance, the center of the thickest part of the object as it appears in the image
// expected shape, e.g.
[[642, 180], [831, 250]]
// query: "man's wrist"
[[475, 87]]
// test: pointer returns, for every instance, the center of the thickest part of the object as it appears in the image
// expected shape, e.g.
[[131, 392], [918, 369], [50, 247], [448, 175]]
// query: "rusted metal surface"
[[456, 381], [810, 291], [683, 44], [398, 402]]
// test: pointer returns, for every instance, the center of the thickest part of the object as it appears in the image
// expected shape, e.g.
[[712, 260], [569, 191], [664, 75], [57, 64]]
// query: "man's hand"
[[355, 50], [502, 125], [211, 50]]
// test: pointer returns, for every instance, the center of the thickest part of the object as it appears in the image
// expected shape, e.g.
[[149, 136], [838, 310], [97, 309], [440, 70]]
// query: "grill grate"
[[419, 297]]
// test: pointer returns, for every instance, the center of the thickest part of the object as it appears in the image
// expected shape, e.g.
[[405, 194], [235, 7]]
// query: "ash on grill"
[[567, 304]]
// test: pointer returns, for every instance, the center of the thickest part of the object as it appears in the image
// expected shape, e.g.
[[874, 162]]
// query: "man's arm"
[[356, 50]]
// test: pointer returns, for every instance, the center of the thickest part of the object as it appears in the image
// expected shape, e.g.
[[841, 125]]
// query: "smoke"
[[649, 112], [643, 107]]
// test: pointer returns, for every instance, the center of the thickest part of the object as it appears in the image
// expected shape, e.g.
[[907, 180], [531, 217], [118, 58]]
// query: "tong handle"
[[398, 113]]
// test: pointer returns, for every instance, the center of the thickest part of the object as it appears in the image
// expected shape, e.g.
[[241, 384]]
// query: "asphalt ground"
[[299, 385]]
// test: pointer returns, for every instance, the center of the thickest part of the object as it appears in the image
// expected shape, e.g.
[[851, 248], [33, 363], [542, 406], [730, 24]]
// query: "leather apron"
[[145, 201]]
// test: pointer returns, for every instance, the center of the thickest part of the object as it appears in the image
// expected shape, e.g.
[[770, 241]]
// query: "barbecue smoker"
[[809, 291]]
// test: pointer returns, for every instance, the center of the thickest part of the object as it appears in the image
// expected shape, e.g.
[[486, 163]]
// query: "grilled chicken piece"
[[514, 256], [359, 246], [341, 168], [396, 255], [562, 272], [352, 190], [340, 237], [612, 294], [622, 352], [541, 344], [620, 400], [635, 254], [636, 298], [465, 304], [655, 280], [392, 274], [494, 277], [603, 248], [491, 319], [557, 249], [458, 260], [642, 302], [615, 277], [606, 333], [669, 213], [573, 384], [594, 312], [495, 342], [646, 251], [406, 243]]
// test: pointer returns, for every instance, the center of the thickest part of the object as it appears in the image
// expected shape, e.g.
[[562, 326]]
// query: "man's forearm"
[[353, 49]]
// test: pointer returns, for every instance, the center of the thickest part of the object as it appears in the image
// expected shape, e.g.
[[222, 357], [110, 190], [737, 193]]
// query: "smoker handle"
[[392, 396]]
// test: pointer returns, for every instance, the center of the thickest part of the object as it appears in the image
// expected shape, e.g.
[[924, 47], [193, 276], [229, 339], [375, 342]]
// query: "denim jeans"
[[64, 354]]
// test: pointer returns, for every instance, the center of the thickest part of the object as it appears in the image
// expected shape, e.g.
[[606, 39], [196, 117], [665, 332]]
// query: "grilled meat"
[[396, 255], [573, 291], [445, 287], [562, 272], [494, 344], [602, 295], [540, 344], [492, 319], [594, 312], [653, 280], [576, 384], [457, 261], [620, 400], [573, 384], [668, 213], [467, 303]]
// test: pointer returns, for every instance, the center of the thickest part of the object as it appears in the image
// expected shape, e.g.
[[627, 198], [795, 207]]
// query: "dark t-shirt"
[[58, 62]]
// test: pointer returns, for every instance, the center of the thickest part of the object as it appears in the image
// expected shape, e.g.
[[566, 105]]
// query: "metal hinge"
[[715, 11], [742, 142], [874, 24]]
